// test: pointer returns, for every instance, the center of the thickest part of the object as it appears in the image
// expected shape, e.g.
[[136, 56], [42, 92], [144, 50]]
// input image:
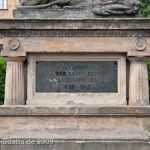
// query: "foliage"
[[148, 69], [145, 11], [2, 79], [145, 8]]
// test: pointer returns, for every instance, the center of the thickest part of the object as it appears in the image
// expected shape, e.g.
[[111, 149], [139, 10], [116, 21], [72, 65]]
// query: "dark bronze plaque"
[[77, 76]]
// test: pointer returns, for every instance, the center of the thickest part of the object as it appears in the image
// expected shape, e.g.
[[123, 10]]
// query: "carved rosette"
[[140, 44], [13, 44]]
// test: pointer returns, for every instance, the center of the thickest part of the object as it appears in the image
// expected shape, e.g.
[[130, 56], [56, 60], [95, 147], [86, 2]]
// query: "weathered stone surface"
[[76, 9], [82, 145], [39, 4], [105, 128], [61, 13], [14, 86], [138, 81], [100, 98], [77, 127], [1, 42], [79, 36], [76, 44], [124, 24], [116, 7], [74, 110], [77, 13], [20, 122]]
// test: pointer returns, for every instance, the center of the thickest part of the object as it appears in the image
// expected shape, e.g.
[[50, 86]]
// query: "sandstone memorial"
[[76, 76]]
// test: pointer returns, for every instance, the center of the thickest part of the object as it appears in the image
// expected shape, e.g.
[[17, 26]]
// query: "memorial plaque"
[[77, 76]]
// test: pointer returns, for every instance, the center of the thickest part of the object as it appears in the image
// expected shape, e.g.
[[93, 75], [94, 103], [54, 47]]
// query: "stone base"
[[81, 13], [82, 145], [75, 128]]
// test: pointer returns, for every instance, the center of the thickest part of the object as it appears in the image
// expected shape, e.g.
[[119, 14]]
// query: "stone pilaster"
[[138, 81], [14, 86]]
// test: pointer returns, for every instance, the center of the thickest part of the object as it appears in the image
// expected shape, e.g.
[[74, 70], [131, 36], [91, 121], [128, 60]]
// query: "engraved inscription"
[[76, 76]]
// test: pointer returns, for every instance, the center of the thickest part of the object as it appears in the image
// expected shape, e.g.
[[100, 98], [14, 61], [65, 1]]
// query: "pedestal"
[[14, 86], [74, 128], [138, 81]]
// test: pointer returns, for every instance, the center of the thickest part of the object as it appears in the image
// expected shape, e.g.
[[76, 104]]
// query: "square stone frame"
[[34, 98]]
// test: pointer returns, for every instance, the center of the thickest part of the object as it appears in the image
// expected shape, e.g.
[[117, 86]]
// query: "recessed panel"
[[76, 77]]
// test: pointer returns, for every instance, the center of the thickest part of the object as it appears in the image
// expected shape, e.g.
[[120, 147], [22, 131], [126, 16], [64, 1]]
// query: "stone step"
[[78, 145], [76, 127]]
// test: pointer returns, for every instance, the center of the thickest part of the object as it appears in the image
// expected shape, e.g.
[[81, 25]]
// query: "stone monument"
[[76, 76], [77, 8]]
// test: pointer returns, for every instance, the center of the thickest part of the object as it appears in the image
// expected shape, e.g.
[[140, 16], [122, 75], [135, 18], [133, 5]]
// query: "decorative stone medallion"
[[140, 44], [13, 44]]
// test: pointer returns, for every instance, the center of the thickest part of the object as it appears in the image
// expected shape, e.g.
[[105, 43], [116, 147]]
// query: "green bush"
[[145, 12], [145, 8], [2, 79], [148, 69]]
